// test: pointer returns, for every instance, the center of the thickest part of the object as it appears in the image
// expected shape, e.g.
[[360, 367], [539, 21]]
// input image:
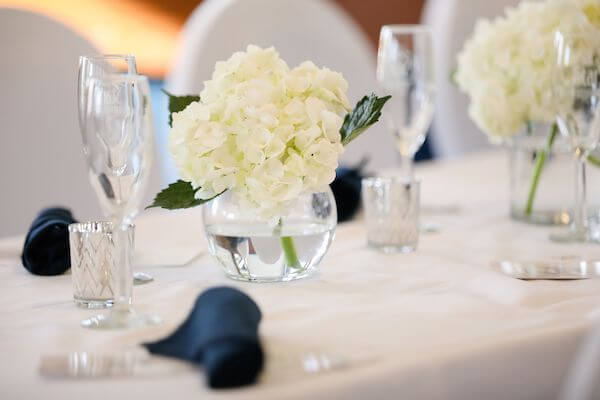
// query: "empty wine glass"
[[116, 129], [576, 92], [98, 66], [405, 71]]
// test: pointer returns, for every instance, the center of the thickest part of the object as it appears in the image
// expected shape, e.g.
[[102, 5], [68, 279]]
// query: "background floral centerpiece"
[[506, 70], [262, 141]]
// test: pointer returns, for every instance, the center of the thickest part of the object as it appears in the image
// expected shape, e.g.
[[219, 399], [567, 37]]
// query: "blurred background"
[[150, 28], [176, 44], [152, 31]]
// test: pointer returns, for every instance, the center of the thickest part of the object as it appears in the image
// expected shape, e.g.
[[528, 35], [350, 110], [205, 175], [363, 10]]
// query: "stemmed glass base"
[[141, 278], [585, 235], [120, 319]]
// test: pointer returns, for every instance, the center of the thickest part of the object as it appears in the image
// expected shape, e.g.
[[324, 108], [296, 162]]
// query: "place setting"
[[268, 213], [268, 261]]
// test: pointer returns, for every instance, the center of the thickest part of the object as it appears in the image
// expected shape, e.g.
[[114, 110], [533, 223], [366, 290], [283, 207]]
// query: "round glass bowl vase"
[[256, 249]]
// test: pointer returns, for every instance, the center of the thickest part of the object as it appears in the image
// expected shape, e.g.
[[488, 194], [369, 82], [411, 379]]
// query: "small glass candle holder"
[[93, 261], [392, 213]]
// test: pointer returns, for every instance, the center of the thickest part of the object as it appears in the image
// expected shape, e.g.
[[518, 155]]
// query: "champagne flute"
[[98, 66], [576, 93], [405, 70], [116, 125]]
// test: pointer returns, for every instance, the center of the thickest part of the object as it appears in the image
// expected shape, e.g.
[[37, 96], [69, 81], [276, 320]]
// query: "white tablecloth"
[[441, 323]]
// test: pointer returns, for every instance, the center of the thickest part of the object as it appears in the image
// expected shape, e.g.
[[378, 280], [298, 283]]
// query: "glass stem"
[[580, 212], [123, 276], [406, 167]]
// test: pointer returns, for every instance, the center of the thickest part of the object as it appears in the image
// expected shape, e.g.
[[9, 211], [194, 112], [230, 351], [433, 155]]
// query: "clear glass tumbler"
[[93, 262], [392, 213]]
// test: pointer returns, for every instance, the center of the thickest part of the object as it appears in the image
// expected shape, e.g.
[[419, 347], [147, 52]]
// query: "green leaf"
[[178, 103], [178, 195], [452, 76], [365, 114]]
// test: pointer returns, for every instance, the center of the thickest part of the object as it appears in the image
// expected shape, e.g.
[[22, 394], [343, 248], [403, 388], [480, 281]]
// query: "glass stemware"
[[405, 70], [98, 66], [576, 92], [116, 135]]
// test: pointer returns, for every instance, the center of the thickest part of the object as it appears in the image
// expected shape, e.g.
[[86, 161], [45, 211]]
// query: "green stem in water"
[[288, 248], [539, 165], [289, 251], [594, 160]]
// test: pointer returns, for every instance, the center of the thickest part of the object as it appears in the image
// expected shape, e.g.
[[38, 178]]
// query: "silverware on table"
[[313, 363], [141, 278], [137, 362], [131, 362], [562, 268]]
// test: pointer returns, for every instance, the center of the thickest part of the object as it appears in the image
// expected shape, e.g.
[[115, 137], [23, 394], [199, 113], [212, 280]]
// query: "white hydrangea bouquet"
[[506, 67], [263, 131]]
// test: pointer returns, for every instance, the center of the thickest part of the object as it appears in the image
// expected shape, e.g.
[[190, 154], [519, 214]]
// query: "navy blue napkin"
[[46, 247], [221, 333], [346, 190]]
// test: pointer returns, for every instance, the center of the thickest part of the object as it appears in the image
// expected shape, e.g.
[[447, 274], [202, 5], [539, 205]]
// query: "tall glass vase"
[[541, 178]]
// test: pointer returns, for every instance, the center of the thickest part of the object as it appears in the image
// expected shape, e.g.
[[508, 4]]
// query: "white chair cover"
[[452, 22], [582, 382], [41, 158], [41, 154], [316, 30]]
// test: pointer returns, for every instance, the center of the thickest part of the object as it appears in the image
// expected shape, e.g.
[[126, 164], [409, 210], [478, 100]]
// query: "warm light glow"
[[115, 26]]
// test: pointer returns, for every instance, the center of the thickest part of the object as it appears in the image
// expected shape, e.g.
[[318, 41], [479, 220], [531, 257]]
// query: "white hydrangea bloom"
[[506, 66], [264, 131]]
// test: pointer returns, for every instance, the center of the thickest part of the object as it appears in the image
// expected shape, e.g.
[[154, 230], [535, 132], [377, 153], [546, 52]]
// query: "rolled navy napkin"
[[221, 333], [346, 190], [46, 247]]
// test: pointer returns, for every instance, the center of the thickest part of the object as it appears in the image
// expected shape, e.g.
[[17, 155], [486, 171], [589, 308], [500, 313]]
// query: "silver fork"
[[314, 363]]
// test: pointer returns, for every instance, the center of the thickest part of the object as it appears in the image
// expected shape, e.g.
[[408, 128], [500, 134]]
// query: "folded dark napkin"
[[346, 190], [46, 248], [221, 333]]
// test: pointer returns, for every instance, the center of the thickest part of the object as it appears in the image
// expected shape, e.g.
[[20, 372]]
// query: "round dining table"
[[444, 322]]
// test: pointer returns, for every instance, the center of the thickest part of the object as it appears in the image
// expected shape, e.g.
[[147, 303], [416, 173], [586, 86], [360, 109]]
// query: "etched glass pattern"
[[93, 255], [392, 214]]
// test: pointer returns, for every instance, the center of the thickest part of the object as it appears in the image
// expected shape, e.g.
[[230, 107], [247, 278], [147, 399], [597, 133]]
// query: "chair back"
[[41, 153], [41, 158], [582, 381]]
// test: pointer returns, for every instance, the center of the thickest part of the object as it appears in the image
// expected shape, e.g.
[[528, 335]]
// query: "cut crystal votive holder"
[[94, 254], [392, 213]]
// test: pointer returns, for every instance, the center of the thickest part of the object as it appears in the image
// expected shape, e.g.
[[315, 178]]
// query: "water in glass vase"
[[258, 252]]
